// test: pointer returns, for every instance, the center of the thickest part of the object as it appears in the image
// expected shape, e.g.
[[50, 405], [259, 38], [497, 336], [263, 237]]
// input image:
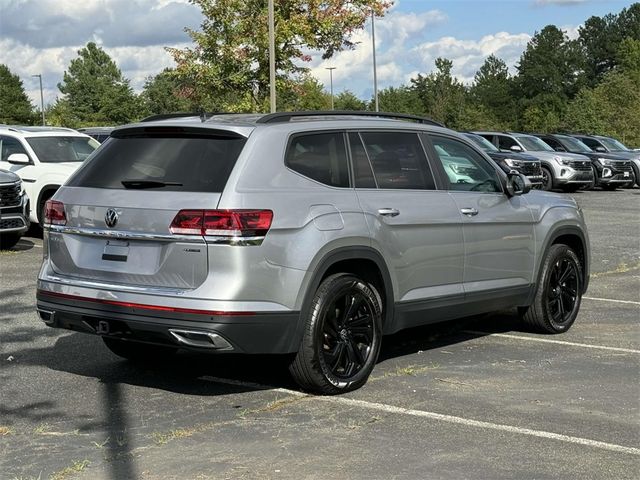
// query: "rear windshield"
[[62, 149], [177, 163]]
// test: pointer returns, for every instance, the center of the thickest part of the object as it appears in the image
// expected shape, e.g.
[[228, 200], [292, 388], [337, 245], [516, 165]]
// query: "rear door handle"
[[389, 212], [469, 212]]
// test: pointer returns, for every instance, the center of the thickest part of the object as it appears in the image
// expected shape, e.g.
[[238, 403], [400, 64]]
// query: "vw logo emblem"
[[111, 218]]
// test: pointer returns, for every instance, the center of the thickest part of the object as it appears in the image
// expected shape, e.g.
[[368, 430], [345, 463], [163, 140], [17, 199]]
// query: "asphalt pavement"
[[478, 398]]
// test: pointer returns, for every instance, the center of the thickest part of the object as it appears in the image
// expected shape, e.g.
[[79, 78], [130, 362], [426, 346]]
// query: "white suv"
[[44, 157]]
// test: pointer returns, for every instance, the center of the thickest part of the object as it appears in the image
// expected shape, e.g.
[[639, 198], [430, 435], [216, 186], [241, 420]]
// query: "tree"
[[402, 99], [550, 64], [303, 93], [601, 37], [442, 96], [346, 100], [611, 108], [162, 94], [230, 58], [15, 106], [548, 77], [492, 90], [95, 91]]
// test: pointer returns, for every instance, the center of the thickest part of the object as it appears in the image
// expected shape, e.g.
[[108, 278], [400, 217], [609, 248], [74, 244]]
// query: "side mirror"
[[515, 148], [19, 159], [517, 184], [600, 149]]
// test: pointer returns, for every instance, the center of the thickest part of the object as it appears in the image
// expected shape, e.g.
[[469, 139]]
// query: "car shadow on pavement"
[[438, 335], [185, 374]]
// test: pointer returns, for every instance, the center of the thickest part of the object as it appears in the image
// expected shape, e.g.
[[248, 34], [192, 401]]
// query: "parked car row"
[[568, 163], [43, 158]]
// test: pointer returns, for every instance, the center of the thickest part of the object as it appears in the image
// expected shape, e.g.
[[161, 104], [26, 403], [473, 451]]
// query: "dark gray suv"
[[301, 233]]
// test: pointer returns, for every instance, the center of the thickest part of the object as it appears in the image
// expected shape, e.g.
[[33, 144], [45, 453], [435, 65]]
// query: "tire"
[[8, 240], [138, 352], [594, 182], [547, 179], [340, 344], [549, 313], [636, 174]]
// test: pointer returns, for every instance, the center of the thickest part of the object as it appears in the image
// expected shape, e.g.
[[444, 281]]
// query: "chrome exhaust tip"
[[47, 316], [194, 338]]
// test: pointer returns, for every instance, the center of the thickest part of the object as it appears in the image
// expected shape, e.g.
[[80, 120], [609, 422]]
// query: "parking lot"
[[479, 398]]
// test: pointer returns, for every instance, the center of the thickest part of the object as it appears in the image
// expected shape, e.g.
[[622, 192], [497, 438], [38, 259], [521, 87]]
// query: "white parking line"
[[558, 342], [611, 300], [441, 417]]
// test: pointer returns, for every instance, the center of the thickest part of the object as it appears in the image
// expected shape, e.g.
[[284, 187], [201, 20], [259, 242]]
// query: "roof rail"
[[165, 116], [280, 117], [36, 128]]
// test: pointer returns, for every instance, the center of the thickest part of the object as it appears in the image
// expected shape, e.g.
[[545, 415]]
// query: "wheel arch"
[[363, 261], [575, 238]]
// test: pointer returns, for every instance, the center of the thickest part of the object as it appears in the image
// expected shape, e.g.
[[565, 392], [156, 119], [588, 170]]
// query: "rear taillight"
[[54, 213], [234, 223]]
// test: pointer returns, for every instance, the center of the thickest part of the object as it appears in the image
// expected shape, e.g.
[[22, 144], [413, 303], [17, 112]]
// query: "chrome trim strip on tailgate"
[[123, 234], [109, 286], [97, 232]]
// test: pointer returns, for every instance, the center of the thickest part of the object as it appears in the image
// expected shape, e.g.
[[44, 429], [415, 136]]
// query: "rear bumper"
[[254, 333]]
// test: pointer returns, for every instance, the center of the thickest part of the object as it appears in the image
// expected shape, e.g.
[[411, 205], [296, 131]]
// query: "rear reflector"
[[236, 223], [142, 306], [54, 213]]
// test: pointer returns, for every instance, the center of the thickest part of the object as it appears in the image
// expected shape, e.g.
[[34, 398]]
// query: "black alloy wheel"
[[562, 290], [558, 294], [547, 180], [347, 333], [342, 336]]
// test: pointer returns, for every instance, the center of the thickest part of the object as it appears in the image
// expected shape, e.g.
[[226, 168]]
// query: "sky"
[[43, 36]]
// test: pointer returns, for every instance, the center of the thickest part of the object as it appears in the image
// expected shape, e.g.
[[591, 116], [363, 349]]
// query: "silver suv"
[[303, 233], [567, 171]]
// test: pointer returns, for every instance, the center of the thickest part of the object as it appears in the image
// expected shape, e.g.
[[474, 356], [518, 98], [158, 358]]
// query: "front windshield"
[[533, 144], [573, 144], [62, 149], [482, 142], [613, 145]]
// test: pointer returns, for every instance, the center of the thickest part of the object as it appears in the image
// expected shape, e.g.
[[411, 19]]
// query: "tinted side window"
[[361, 165], [321, 157], [505, 143], [398, 160], [9, 146], [553, 143], [591, 143], [464, 167]]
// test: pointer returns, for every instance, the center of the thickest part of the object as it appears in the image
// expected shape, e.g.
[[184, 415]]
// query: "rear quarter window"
[[189, 162], [320, 156]]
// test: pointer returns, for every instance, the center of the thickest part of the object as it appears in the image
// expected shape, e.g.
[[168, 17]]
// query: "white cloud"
[[136, 64]]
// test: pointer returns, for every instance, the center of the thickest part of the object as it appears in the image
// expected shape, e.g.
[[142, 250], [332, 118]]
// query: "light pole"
[[331, 69], [272, 58], [375, 73], [41, 97]]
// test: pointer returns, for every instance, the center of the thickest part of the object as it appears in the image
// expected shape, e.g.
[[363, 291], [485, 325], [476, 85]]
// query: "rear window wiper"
[[140, 184]]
